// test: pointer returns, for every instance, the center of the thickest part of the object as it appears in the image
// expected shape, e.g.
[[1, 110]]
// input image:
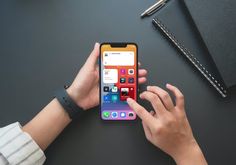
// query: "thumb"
[[93, 57]]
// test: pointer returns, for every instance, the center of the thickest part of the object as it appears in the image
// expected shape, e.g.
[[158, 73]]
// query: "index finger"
[[142, 112]]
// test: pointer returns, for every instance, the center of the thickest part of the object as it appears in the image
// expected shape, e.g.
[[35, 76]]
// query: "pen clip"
[[159, 7]]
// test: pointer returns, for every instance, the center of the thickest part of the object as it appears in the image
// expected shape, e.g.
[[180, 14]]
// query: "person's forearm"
[[192, 154], [48, 124]]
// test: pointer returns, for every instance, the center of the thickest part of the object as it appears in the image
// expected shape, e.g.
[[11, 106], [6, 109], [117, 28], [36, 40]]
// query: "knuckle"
[[181, 115], [176, 88], [167, 122], [140, 111], [154, 88], [144, 94], [153, 97], [132, 104], [170, 120], [159, 130], [181, 96], [165, 95]]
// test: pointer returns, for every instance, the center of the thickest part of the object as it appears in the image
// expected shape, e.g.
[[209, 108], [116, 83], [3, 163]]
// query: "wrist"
[[74, 95], [190, 154]]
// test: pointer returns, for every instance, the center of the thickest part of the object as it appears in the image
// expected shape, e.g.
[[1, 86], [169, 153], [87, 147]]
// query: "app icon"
[[106, 114], [114, 89], [126, 92], [131, 114], [130, 71], [106, 89], [122, 71], [114, 114], [131, 80], [106, 98], [122, 80], [114, 98], [122, 114]]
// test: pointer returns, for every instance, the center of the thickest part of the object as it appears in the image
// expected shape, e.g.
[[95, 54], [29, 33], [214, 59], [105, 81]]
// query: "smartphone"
[[118, 64]]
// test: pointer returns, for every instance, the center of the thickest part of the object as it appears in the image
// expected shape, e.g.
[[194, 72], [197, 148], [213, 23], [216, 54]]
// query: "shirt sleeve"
[[17, 147]]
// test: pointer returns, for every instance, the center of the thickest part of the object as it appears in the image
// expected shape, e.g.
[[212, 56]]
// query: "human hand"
[[167, 127], [85, 88]]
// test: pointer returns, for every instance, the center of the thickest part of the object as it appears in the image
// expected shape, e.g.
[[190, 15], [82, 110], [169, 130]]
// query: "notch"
[[118, 45]]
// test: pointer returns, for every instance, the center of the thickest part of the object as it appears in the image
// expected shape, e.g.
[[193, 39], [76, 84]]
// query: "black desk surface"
[[44, 43]]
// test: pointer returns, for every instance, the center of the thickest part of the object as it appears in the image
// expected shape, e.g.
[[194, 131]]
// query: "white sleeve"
[[17, 147]]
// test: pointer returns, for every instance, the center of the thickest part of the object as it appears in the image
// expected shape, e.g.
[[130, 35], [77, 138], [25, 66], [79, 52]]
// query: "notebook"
[[178, 27], [216, 22]]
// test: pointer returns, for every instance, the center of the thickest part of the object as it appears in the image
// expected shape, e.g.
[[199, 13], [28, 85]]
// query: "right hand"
[[167, 127]]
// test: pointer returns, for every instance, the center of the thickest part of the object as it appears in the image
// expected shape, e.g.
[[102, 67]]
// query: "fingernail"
[[167, 85], [141, 95], [148, 87], [96, 44], [128, 99]]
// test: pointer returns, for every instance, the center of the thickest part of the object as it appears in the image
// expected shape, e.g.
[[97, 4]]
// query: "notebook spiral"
[[197, 64]]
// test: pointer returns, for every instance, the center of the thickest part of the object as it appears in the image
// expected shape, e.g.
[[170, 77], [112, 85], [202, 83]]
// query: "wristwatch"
[[68, 104]]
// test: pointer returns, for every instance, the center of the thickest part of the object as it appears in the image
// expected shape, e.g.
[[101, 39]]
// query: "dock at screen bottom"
[[118, 115]]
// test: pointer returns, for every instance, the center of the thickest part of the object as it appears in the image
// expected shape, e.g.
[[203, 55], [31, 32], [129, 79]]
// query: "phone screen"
[[118, 80]]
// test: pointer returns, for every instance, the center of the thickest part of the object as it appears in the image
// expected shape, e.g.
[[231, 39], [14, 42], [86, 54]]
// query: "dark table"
[[44, 43]]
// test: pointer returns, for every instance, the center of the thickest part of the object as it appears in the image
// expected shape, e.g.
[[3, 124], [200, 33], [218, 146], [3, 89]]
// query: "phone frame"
[[118, 45]]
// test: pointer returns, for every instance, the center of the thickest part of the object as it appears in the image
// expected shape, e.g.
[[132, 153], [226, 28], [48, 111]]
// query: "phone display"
[[118, 80]]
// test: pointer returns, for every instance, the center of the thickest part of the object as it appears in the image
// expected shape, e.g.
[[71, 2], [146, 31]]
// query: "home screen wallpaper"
[[118, 81]]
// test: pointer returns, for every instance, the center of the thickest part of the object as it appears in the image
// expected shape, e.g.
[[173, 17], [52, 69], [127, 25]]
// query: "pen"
[[153, 8]]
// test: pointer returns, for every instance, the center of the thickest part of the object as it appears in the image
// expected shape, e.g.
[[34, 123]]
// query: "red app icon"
[[126, 92]]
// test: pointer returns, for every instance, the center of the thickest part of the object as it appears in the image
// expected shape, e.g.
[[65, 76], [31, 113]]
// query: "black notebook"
[[177, 25], [216, 22]]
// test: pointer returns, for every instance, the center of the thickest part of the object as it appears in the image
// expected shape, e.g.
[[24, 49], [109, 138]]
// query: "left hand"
[[85, 88]]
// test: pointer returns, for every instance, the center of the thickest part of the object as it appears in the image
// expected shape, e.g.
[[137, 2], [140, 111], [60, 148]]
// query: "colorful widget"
[[110, 76]]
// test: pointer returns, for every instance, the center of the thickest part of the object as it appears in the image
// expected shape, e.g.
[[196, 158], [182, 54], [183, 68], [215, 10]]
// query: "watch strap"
[[68, 104]]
